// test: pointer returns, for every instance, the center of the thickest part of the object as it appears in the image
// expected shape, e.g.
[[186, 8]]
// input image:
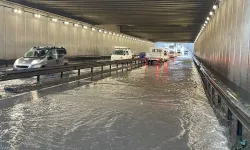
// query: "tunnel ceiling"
[[155, 20]]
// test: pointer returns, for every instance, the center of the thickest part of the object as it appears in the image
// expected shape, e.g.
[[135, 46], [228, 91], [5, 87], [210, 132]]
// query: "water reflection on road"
[[154, 107]]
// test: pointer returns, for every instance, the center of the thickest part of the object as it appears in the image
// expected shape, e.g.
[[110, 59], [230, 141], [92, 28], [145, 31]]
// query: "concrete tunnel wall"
[[20, 32], [224, 44]]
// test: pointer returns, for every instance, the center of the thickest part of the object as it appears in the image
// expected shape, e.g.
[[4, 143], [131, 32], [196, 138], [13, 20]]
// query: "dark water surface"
[[159, 107]]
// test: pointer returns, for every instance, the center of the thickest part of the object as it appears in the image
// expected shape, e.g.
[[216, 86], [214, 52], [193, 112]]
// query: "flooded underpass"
[[156, 107]]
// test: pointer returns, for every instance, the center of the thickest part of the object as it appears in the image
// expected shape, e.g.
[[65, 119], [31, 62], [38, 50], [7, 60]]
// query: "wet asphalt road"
[[159, 107]]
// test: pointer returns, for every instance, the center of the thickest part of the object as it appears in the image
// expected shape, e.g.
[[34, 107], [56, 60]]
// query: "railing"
[[241, 112], [10, 75], [87, 58], [82, 58]]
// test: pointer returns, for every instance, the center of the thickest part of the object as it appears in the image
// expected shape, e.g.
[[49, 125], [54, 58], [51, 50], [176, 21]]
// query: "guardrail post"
[[122, 67], [102, 69], [38, 78], [117, 65], [79, 72], [92, 70], [209, 88], [219, 99], [206, 82], [110, 67], [127, 65], [213, 95], [239, 128], [61, 74], [229, 115]]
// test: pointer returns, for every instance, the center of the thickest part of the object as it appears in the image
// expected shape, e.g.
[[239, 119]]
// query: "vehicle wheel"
[[65, 64], [43, 66]]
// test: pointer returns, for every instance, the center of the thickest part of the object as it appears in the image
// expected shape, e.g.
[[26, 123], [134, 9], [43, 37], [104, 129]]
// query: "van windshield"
[[118, 52], [36, 53]]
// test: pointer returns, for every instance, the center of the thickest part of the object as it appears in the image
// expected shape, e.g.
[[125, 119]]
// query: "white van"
[[40, 57], [121, 53], [157, 54], [172, 54]]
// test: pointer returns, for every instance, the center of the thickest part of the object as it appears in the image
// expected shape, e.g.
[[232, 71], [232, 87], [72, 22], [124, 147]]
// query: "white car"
[[121, 53]]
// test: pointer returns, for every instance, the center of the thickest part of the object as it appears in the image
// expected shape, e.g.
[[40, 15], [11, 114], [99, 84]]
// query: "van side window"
[[52, 54], [61, 53]]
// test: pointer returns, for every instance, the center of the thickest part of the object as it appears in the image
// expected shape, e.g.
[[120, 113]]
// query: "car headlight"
[[16, 61], [34, 62]]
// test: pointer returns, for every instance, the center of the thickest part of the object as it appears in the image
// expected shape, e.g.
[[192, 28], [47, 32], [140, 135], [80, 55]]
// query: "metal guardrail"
[[10, 75], [243, 117], [87, 58], [82, 58]]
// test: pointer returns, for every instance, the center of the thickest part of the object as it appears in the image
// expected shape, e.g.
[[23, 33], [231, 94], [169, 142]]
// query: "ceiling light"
[[54, 19], [206, 22], [85, 27], [211, 13], [100, 30], [215, 7], [37, 15], [117, 34], [18, 11], [105, 32], [76, 25], [110, 33], [93, 29], [66, 22], [113, 33], [208, 18]]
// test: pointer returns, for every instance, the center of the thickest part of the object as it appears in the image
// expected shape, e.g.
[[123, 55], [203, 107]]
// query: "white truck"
[[172, 54], [157, 55], [120, 53]]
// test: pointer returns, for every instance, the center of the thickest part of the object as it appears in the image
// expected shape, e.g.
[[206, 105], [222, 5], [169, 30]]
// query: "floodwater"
[[158, 107]]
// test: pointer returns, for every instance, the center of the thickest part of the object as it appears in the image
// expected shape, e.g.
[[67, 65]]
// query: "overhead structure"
[[155, 20]]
